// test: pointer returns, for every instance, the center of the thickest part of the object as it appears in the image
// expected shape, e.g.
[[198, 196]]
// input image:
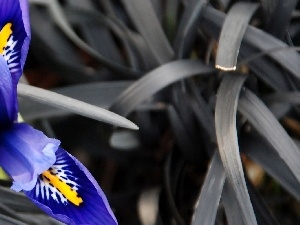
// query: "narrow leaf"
[[212, 20], [148, 85], [264, 154], [73, 105], [187, 30], [64, 25], [280, 17], [263, 214], [269, 127], [231, 205], [232, 33], [208, 201], [225, 122], [147, 23], [101, 94]]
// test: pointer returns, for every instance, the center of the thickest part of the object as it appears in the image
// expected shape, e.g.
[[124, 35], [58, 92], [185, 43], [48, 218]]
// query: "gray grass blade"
[[266, 70], [231, 205], [280, 17], [170, 190], [268, 126], [283, 97], [264, 154], [171, 17], [212, 20], [225, 122], [16, 208], [143, 16], [203, 112], [73, 105], [6, 220], [188, 27], [263, 214], [17, 201], [208, 201], [232, 33], [182, 138], [63, 24], [101, 94], [4, 210], [156, 80]]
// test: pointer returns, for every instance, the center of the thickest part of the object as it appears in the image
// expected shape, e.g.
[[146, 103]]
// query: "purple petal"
[[26, 23], [26, 153], [69, 193], [8, 110], [14, 42]]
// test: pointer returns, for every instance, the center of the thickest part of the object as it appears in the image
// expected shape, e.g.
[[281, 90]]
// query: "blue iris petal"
[[16, 13], [8, 110], [14, 42], [56, 181], [90, 205], [26, 153]]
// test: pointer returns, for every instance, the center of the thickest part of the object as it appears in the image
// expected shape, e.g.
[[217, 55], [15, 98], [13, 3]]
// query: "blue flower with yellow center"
[[52, 178]]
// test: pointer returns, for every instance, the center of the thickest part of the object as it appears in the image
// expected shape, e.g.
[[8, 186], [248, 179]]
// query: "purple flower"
[[68, 192], [53, 179]]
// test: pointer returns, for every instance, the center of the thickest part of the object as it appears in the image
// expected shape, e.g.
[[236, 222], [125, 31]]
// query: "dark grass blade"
[[268, 7], [170, 182], [86, 5], [85, 20], [187, 29], [108, 7], [225, 122], [171, 17], [147, 23], [283, 97], [212, 20], [15, 208], [262, 212], [63, 24], [208, 201], [269, 127], [156, 80], [73, 105], [6, 220], [4, 210], [232, 33], [266, 70], [281, 14], [186, 143], [181, 102], [17, 201], [262, 153], [224, 4], [202, 111]]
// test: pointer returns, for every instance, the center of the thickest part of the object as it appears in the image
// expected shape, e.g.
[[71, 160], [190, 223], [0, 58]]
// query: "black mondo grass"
[[213, 86]]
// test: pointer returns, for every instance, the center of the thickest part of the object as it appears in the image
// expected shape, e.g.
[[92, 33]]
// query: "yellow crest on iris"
[[4, 36], [68, 192]]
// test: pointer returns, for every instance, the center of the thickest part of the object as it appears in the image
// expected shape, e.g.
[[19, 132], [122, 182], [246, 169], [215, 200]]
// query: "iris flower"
[[52, 178]]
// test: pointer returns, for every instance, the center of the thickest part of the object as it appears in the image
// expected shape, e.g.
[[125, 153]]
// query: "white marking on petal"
[[47, 190], [11, 55]]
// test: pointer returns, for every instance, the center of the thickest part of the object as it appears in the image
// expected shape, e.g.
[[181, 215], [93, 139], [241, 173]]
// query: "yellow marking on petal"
[[64, 188], [3, 175], [4, 36]]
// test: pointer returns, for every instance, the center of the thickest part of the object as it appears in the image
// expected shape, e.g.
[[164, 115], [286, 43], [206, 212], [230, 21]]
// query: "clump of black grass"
[[213, 87]]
